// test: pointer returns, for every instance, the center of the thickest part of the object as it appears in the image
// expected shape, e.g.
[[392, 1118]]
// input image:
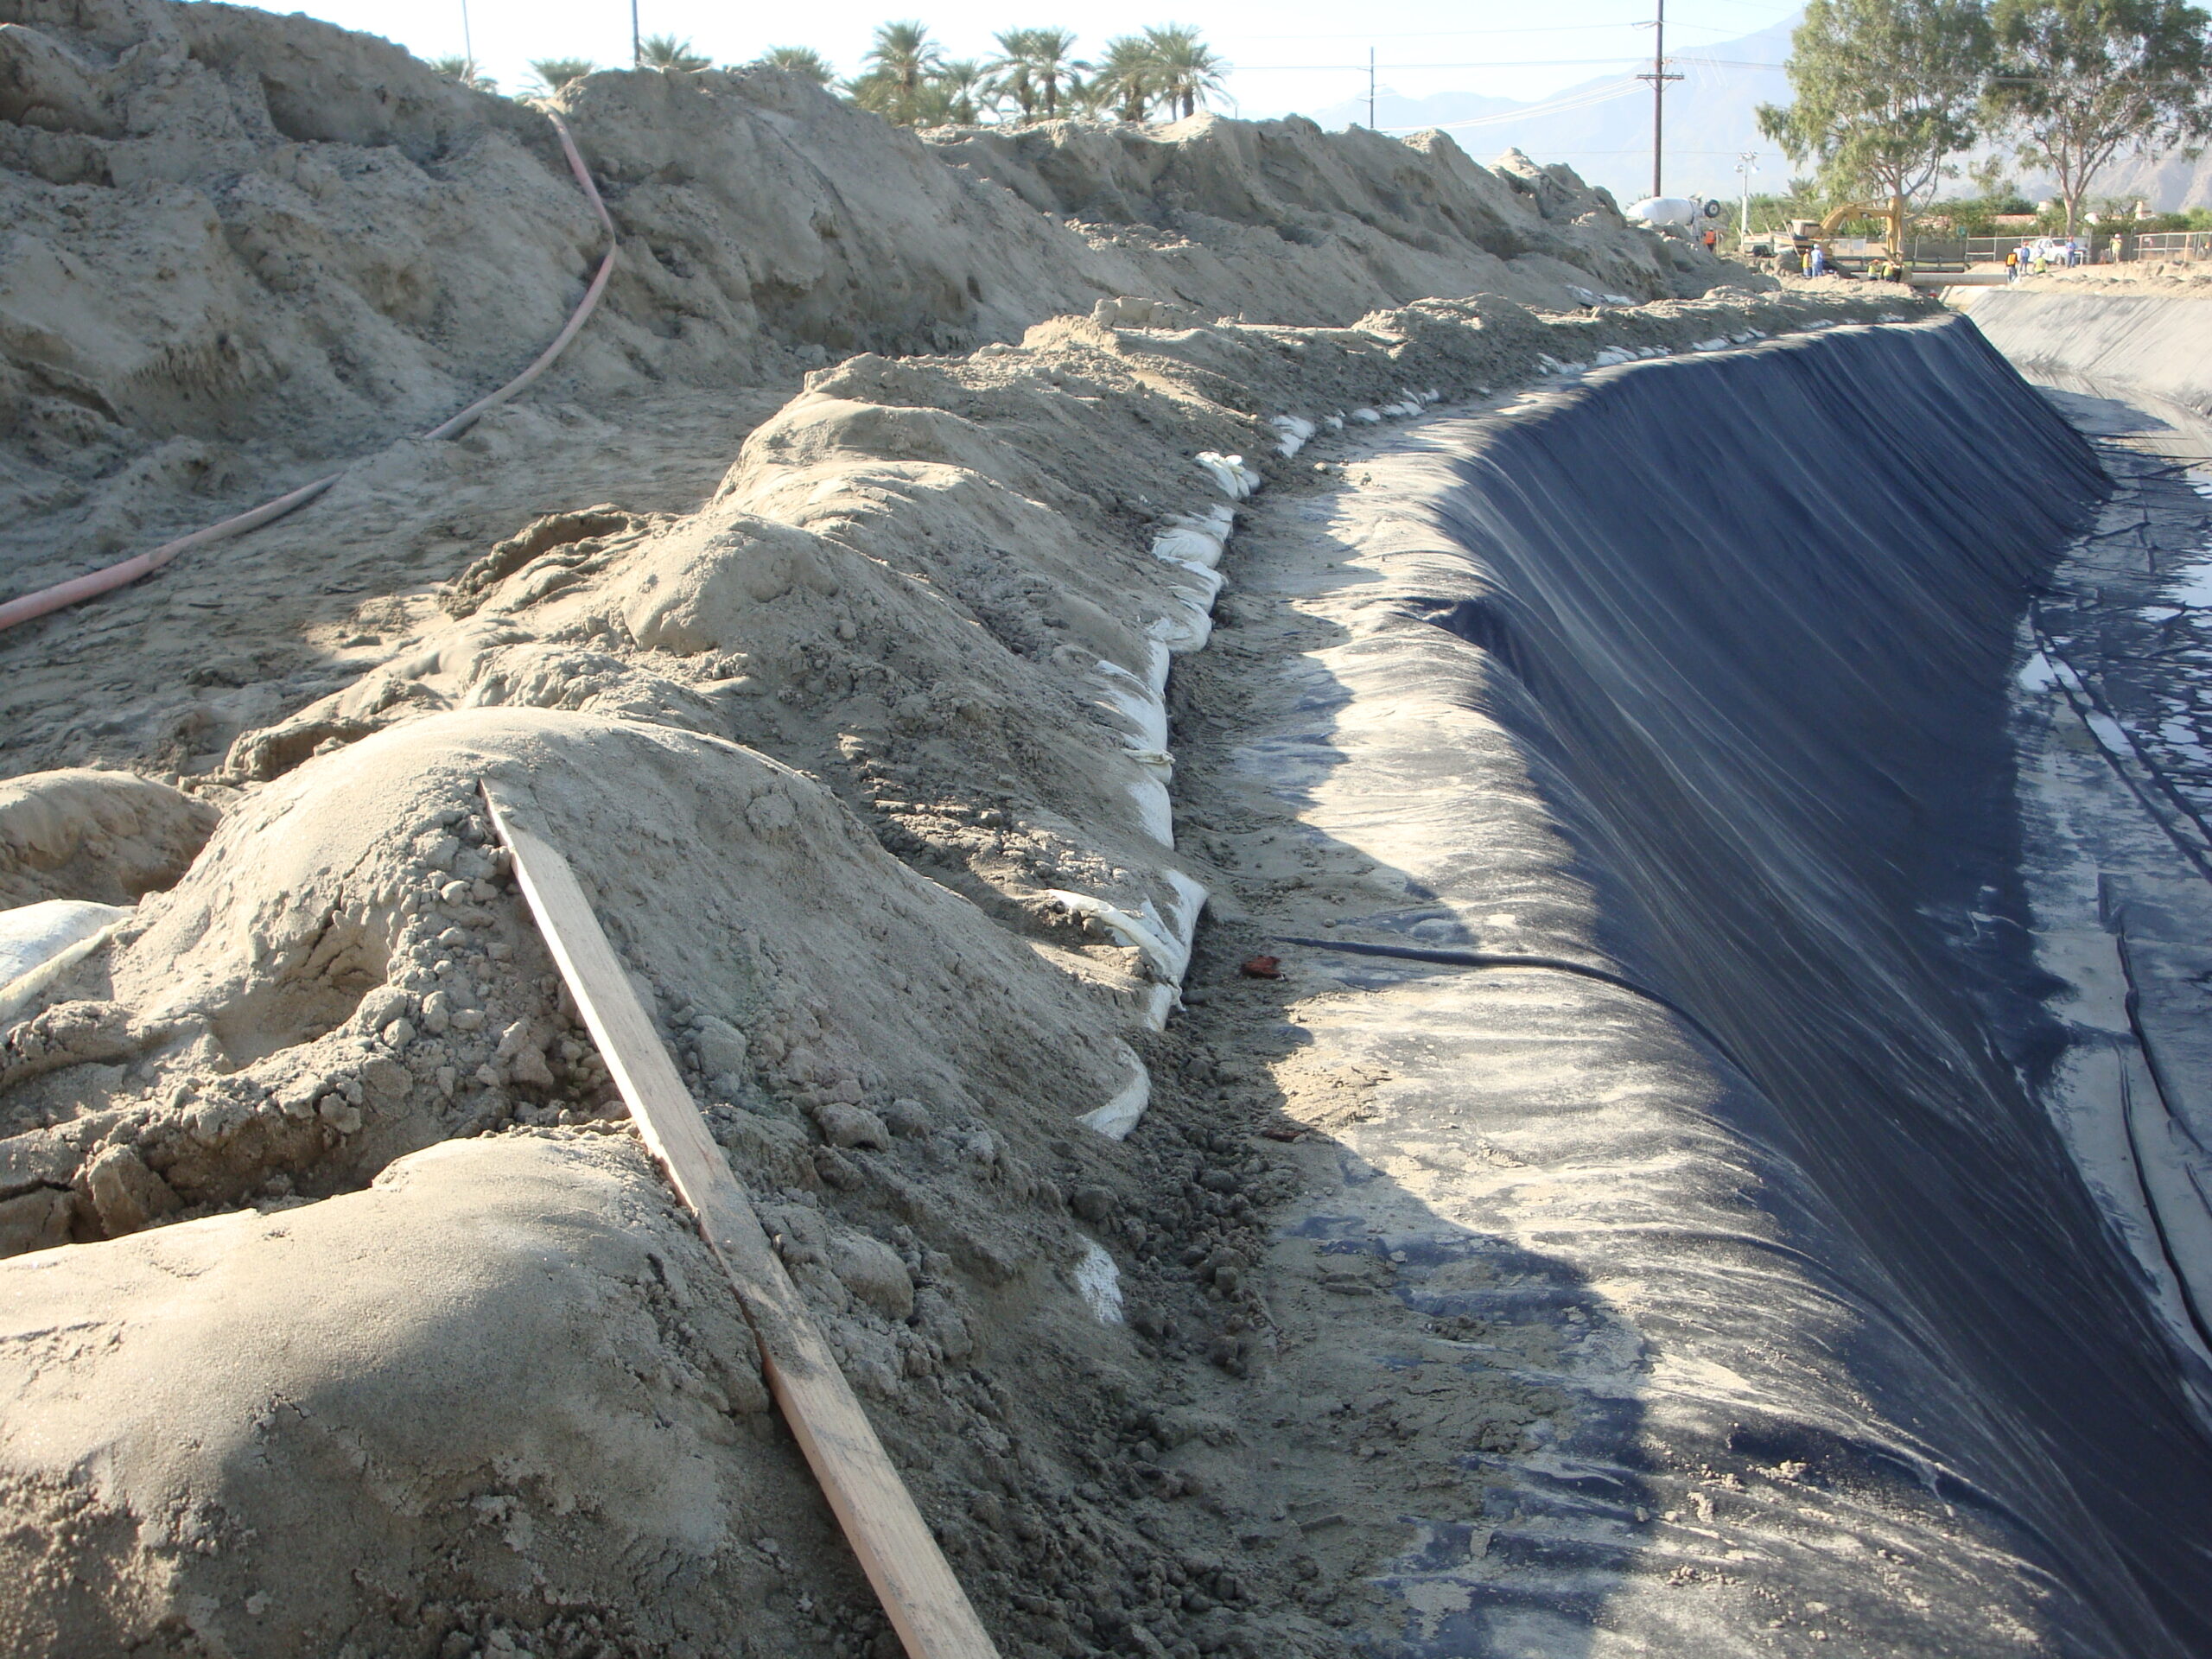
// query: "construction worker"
[[1816, 262], [2012, 266]]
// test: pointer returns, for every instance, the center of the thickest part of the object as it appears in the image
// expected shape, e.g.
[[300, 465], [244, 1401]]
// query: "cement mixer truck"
[[1681, 212]]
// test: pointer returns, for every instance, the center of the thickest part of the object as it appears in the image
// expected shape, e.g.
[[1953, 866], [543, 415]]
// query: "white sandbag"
[[1235, 478], [1141, 708], [1164, 941], [1187, 542], [1292, 432]]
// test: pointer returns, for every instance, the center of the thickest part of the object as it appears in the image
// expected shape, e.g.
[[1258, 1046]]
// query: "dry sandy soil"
[[343, 1314]]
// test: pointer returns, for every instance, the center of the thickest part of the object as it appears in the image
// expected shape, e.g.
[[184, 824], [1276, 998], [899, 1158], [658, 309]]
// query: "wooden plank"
[[919, 1594]]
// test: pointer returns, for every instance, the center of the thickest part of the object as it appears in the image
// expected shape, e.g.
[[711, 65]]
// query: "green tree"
[[1127, 78], [667, 51], [895, 81], [1012, 69], [1887, 92], [553, 73], [957, 93], [1184, 70], [799, 61], [1035, 66], [465, 71], [2079, 81]]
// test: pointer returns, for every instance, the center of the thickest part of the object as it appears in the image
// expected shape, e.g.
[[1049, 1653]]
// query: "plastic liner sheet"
[[1749, 621]]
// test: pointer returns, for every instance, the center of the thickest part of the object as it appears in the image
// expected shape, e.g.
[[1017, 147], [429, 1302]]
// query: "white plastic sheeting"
[[1125, 1110], [1164, 940], [1099, 1283], [40, 942], [1193, 544]]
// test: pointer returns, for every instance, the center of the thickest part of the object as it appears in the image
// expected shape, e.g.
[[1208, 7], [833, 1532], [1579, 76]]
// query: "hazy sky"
[[1289, 54]]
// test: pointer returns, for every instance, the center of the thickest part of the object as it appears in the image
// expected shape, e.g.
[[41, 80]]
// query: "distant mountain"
[[2169, 182], [1602, 129]]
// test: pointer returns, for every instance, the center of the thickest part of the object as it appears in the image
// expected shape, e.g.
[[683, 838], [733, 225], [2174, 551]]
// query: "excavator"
[[1804, 232]]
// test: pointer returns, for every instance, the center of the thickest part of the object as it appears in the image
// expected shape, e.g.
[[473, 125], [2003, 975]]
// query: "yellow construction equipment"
[[1894, 213]]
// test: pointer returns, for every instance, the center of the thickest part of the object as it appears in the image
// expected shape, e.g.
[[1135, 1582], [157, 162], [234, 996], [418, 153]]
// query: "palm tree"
[[554, 73], [799, 61], [899, 65], [904, 55], [1187, 71], [1034, 66], [1127, 77], [1011, 67], [954, 91], [665, 52], [464, 70]]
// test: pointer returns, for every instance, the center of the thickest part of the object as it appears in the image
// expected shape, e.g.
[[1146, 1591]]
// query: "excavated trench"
[[1669, 1205], [1715, 1173], [1677, 704]]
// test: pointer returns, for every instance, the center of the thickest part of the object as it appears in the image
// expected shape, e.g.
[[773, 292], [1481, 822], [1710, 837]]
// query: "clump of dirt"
[[105, 837]]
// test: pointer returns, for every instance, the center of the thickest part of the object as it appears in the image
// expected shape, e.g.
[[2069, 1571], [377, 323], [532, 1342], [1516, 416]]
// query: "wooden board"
[[919, 1594]]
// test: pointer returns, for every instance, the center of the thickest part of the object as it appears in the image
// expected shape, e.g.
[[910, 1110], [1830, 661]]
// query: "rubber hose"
[[90, 585]]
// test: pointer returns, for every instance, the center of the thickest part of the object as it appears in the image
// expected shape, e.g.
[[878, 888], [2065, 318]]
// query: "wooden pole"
[[919, 1594], [1659, 76]]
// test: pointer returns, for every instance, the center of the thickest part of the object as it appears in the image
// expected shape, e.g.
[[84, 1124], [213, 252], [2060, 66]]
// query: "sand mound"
[[346, 975], [398, 1374], [236, 236], [102, 836]]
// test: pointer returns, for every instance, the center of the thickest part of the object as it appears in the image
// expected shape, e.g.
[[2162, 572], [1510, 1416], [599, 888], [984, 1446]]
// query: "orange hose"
[[96, 582]]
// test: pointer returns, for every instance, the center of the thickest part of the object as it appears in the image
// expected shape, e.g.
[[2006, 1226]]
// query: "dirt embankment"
[[237, 241], [863, 762], [861, 752]]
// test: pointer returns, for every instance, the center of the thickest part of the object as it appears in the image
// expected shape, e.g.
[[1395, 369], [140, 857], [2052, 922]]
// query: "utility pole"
[[1746, 164], [1658, 77], [636, 46], [467, 45], [1371, 89]]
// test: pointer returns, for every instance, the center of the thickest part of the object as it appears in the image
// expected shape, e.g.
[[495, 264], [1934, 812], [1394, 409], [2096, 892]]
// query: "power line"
[[1501, 63], [1456, 33]]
